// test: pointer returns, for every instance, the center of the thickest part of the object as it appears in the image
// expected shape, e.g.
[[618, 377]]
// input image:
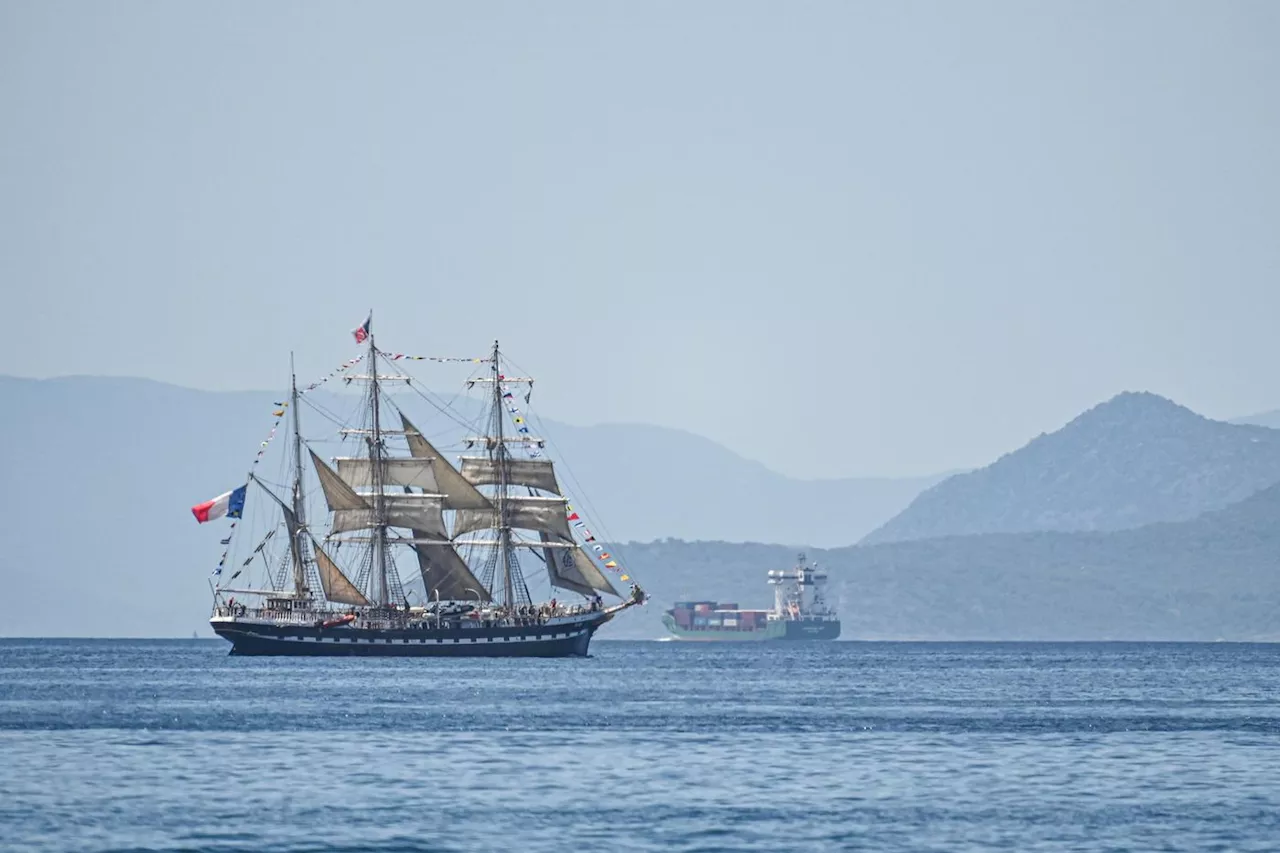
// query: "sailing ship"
[[468, 531]]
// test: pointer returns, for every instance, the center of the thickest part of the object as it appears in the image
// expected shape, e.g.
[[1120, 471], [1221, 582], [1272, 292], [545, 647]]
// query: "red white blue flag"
[[230, 504], [361, 332]]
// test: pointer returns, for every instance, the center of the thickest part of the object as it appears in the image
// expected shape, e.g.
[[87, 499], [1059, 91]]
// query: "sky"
[[840, 238]]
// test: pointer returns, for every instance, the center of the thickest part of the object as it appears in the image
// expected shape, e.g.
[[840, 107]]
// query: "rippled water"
[[131, 745]]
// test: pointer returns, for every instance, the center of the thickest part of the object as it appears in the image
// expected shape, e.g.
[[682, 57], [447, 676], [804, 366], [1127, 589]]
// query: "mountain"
[[1213, 577], [99, 538], [1267, 419], [1133, 460]]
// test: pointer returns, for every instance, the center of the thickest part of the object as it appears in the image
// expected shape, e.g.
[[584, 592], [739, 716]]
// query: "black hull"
[[544, 641]]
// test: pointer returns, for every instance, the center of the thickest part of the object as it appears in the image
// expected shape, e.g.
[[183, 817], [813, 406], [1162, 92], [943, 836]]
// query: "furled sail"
[[421, 512], [535, 473], [542, 514], [337, 494], [337, 587], [446, 575], [295, 545], [357, 472], [458, 493], [572, 569]]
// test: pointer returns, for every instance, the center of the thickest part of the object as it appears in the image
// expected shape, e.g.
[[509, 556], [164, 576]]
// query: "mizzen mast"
[[298, 535]]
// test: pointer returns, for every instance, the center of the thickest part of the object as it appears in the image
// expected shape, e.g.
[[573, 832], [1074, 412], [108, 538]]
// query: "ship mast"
[[376, 453], [498, 454], [296, 544]]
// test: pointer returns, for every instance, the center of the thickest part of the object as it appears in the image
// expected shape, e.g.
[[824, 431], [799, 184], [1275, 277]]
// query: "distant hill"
[[1269, 419], [98, 536], [1210, 578], [1135, 459]]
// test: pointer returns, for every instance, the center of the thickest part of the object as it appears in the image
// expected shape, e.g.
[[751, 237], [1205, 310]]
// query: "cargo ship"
[[800, 612]]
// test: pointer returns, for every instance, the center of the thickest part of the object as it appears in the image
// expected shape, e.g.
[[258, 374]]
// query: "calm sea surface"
[[135, 745]]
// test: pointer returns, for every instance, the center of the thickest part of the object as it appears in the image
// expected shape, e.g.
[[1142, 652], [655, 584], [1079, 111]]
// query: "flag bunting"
[[278, 415], [532, 448]]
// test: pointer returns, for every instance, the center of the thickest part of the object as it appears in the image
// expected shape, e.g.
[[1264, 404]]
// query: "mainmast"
[[298, 539], [498, 454], [376, 453]]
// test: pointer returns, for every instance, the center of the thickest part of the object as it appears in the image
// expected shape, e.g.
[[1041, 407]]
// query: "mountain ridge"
[[1134, 459], [1270, 419]]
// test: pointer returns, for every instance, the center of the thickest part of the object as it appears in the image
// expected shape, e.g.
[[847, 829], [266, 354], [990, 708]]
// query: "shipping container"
[[728, 605]]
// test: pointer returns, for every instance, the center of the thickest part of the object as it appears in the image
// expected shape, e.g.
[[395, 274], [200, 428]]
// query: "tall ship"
[[800, 612], [413, 555]]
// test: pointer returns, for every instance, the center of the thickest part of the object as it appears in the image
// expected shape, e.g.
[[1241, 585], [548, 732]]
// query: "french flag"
[[361, 332], [230, 504]]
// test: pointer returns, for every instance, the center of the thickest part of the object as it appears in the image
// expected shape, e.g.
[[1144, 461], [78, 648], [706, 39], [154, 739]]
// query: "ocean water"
[[173, 745]]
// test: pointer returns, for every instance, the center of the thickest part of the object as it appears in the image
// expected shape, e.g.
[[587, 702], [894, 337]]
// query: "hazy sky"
[[919, 233]]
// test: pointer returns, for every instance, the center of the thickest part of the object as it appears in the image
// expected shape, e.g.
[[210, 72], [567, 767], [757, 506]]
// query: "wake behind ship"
[[800, 612], [336, 590]]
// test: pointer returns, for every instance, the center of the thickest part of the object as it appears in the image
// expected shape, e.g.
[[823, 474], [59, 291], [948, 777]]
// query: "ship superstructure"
[[394, 501], [800, 612]]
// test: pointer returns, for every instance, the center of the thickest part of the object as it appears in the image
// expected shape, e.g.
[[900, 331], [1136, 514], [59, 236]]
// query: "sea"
[[128, 745]]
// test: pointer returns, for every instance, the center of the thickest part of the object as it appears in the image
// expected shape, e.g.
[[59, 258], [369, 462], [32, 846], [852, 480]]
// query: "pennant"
[[573, 516], [361, 333], [230, 504], [611, 565], [626, 577], [226, 541], [279, 413]]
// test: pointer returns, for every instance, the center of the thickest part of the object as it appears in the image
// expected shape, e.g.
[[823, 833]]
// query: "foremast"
[[541, 509], [514, 589]]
